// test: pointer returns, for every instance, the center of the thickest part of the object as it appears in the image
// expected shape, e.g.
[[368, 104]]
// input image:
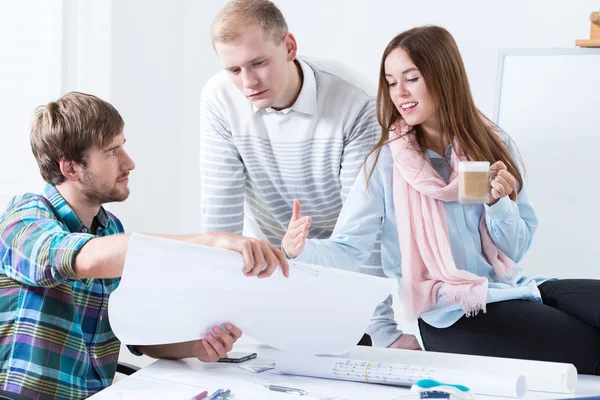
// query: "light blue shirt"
[[510, 224]]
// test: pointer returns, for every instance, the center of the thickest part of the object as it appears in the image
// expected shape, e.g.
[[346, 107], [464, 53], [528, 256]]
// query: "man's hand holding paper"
[[261, 258]]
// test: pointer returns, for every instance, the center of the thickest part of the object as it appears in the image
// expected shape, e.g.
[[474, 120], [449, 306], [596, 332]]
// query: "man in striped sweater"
[[276, 127]]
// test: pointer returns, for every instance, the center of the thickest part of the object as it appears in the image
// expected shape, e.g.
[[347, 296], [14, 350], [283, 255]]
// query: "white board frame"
[[591, 268]]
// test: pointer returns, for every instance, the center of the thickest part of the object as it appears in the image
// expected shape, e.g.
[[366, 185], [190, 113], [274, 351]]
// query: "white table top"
[[182, 379]]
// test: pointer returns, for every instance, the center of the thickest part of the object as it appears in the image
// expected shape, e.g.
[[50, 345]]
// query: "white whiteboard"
[[548, 101]]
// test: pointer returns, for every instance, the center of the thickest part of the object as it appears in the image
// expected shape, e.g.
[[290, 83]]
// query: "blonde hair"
[[68, 128], [239, 14]]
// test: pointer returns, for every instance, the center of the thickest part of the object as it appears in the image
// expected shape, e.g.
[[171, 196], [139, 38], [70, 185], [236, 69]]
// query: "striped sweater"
[[254, 163]]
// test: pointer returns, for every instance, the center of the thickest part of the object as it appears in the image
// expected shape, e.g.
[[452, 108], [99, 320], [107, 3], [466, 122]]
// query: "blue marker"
[[215, 395], [432, 394], [224, 394]]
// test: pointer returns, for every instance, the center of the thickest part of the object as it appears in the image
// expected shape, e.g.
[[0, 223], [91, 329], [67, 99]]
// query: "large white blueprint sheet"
[[173, 291]]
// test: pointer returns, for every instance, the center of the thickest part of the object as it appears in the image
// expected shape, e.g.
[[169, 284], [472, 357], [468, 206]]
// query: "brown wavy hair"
[[435, 54]]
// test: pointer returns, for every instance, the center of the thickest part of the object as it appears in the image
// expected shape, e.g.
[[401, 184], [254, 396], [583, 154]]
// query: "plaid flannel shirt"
[[55, 338]]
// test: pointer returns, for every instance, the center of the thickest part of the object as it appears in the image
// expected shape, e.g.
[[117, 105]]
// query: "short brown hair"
[[68, 128], [238, 14]]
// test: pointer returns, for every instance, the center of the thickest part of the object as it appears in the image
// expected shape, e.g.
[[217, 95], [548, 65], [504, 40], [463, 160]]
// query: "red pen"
[[200, 395]]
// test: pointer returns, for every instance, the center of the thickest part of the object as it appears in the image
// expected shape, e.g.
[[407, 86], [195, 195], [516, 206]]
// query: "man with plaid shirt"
[[62, 254]]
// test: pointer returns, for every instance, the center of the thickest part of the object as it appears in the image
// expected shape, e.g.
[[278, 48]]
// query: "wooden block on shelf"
[[594, 40], [588, 43]]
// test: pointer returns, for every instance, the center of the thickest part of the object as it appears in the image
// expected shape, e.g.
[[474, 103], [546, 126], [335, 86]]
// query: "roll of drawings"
[[398, 374], [541, 376]]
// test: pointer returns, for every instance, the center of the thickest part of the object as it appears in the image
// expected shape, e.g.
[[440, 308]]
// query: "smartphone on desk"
[[238, 357]]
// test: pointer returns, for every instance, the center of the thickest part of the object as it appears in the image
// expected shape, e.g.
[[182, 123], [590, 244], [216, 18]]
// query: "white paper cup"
[[473, 182]]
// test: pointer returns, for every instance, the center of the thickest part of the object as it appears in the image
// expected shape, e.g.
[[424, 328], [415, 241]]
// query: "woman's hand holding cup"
[[502, 184]]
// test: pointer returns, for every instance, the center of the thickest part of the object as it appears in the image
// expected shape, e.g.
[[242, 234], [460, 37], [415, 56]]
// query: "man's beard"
[[97, 193]]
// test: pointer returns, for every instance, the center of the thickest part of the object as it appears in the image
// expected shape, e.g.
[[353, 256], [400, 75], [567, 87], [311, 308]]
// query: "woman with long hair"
[[457, 264]]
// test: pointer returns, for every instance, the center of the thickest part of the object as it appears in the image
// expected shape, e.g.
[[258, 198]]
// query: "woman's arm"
[[512, 224], [355, 233]]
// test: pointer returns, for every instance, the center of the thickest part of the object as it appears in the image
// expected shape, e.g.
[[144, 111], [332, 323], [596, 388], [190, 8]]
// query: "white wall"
[[358, 32], [30, 75], [87, 47], [146, 86], [567, 238]]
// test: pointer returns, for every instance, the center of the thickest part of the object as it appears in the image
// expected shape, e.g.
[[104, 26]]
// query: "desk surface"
[[182, 379]]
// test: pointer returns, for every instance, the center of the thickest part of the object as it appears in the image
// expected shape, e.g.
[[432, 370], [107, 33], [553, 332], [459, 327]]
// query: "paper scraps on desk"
[[257, 368], [252, 386], [173, 291]]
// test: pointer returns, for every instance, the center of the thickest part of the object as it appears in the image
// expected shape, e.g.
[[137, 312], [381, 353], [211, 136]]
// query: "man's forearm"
[[197, 239], [104, 257]]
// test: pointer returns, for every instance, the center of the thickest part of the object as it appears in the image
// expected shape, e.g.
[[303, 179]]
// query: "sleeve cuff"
[[499, 210], [134, 350], [306, 255], [384, 337], [62, 256]]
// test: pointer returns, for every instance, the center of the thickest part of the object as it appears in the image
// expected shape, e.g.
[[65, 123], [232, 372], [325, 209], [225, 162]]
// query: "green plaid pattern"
[[55, 338]]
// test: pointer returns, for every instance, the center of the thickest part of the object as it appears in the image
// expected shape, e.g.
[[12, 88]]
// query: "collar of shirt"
[[432, 154], [68, 216], [307, 99], [441, 164]]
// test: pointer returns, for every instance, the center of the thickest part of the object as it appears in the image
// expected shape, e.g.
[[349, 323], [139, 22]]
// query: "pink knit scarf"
[[428, 268]]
